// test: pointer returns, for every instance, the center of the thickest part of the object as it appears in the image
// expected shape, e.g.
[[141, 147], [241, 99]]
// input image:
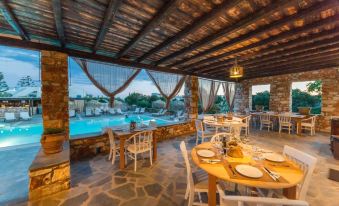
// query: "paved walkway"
[[97, 182]]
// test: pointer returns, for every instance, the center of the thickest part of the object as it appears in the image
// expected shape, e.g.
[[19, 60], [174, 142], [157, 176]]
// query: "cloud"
[[13, 70]]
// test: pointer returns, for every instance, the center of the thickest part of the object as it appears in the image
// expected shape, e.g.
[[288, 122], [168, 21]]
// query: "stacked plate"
[[274, 157], [249, 171]]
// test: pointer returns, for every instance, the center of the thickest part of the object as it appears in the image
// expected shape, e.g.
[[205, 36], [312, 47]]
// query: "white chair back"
[[190, 181], [111, 138], [284, 119], [142, 141], [198, 126], [306, 163], [221, 137], [265, 117], [313, 120], [247, 120]]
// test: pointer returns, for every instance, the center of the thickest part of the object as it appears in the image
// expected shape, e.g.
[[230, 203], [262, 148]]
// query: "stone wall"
[[83, 148], [280, 94], [54, 97], [192, 97]]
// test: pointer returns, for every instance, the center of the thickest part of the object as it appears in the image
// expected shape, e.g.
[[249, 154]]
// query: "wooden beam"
[[271, 40], [161, 15], [272, 51], [57, 12], [266, 11], [201, 21], [281, 55], [87, 55], [110, 14], [10, 17], [306, 68], [315, 9], [318, 59]]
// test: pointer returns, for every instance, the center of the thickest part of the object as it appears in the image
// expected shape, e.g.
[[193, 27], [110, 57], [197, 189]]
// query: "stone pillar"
[[54, 97], [242, 98], [280, 96], [330, 99], [192, 97], [49, 174]]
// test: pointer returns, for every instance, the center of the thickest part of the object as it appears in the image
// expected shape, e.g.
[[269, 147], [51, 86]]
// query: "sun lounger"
[[118, 111], [71, 113], [111, 111], [142, 110], [158, 113], [24, 116], [9, 116], [88, 112], [161, 113], [97, 112], [137, 110]]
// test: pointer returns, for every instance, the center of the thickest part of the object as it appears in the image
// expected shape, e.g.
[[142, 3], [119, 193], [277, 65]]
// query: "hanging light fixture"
[[236, 71]]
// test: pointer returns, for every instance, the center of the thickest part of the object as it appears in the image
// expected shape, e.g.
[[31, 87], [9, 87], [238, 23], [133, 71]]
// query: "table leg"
[[290, 193], [298, 127], [212, 190], [155, 153], [122, 153]]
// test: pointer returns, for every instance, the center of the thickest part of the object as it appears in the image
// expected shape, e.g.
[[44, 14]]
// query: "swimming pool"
[[31, 133]]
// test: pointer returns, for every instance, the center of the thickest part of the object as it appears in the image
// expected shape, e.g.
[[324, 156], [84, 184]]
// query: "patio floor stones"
[[77, 200], [103, 200], [153, 189], [119, 180], [125, 191], [140, 192]]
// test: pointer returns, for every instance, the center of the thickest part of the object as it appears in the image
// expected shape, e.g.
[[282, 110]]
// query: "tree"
[[3, 84], [261, 98], [26, 81], [138, 99], [305, 99], [314, 87]]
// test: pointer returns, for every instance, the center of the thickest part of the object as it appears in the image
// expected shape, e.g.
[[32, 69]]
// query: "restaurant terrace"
[[243, 156]]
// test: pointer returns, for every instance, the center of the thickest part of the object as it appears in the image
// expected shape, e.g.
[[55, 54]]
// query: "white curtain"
[[208, 90], [168, 84], [110, 79], [229, 92]]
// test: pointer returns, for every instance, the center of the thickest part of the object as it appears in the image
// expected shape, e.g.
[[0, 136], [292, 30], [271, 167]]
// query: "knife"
[[271, 174], [231, 168]]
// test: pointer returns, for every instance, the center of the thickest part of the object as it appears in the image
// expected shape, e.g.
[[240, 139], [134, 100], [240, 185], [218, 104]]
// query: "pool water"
[[27, 134]]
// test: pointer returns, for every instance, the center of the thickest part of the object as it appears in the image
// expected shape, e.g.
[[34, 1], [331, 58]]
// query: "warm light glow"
[[236, 71]]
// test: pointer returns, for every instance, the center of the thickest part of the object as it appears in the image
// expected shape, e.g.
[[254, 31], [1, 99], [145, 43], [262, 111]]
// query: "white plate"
[[274, 157], [205, 153], [249, 171]]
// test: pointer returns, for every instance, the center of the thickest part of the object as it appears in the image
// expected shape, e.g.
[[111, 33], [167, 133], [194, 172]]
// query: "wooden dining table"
[[123, 133], [295, 117], [290, 174]]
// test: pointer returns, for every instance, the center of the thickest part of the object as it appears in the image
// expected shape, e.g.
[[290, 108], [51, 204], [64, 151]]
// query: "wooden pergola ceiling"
[[200, 37]]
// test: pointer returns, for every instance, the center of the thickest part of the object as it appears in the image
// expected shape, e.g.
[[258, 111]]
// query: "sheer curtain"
[[168, 84], [208, 90], [110, 79], [229, 92]]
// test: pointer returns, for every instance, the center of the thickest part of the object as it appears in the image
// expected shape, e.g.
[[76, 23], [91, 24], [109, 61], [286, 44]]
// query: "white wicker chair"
[[265, 121], [309, 124], [221, 136], [246, 124], [285, 123], [139, 143], [201, 132], [196, 182]]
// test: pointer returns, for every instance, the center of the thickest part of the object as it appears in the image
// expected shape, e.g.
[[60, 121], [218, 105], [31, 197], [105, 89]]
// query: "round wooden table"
[[217, 171]]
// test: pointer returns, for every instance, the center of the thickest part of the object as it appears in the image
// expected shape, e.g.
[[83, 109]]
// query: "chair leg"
[[150, 156], [199, 195], [114, 155], [187, 191], [196, 142], [135, 162], [110, 154]]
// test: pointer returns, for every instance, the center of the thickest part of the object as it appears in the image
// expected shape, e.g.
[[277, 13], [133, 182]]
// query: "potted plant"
[[52, 140], [304, 110]]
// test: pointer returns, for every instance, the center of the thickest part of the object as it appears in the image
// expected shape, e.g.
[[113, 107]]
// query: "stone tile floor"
[[97, 182]]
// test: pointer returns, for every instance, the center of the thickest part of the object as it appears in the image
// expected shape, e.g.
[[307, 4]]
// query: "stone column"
[[49, 174], [242, 98], [192, 97], [54, 97], [280, 95]]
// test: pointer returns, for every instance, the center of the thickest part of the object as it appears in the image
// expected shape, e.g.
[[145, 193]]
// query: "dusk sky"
[[16, 63]]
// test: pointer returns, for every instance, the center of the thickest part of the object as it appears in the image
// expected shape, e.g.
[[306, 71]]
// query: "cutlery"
[[273, 176], [231, 168], [212, 161]]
